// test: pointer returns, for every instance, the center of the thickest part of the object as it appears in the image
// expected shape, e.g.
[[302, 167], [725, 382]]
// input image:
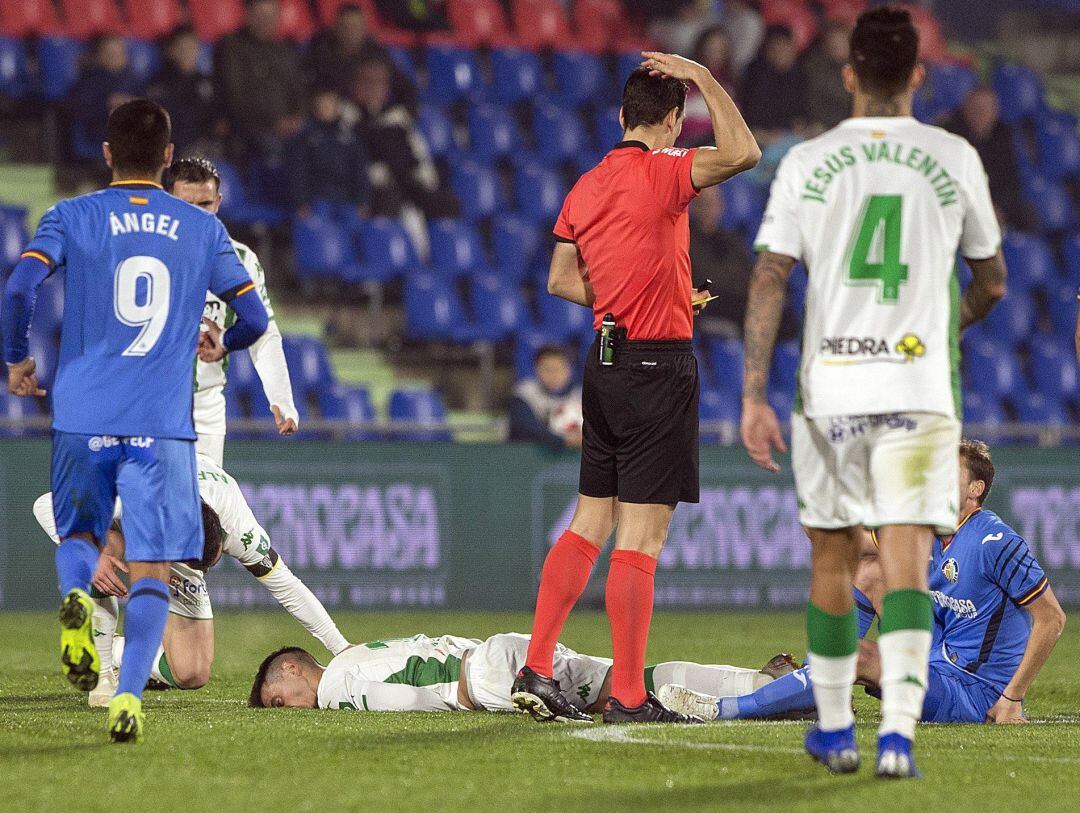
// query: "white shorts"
[[875, 470], [493, 665], [188, 596], [208, 413]]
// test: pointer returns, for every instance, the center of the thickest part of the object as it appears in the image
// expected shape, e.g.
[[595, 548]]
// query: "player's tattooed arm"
[[764, 310], [988, 285]]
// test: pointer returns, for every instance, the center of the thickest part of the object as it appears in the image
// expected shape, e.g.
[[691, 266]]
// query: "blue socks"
[[76, 560], [864, 611], [789, 693], [144, 624]]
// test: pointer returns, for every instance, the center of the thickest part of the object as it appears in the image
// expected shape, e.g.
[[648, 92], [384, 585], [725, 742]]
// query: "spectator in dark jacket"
[[773, 87], [547, 409], [105, 82], [327, 160], [402, 169], [827, 100], [336, 53], [187, 93], [259, 82], [720, 255], [979, 121]]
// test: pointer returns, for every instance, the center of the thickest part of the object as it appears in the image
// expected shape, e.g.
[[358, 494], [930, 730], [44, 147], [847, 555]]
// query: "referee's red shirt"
[[628, 217]]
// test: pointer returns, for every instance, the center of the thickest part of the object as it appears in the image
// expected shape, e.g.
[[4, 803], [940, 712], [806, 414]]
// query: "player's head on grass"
[[138, 139], [287, 678], [976, 474], [652, 108], [883, 70], [195, 180]]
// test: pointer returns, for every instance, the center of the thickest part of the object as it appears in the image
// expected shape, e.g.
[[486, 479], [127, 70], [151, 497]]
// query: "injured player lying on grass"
[[187, 652], [451, 673]]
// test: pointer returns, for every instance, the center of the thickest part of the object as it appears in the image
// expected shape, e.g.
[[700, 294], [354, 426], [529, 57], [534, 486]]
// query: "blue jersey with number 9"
[[137, 263]]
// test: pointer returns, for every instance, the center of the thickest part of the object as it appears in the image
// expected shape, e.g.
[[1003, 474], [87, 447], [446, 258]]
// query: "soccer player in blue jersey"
[[996, 621], [137, 264]]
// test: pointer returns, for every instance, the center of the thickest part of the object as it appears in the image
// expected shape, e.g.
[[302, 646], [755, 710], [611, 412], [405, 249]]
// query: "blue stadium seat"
[[719, 407], [526, 345], [559, 134], [726, 356], [608, 130], [477, 187], [309, 364], [782, 403], [580, 78], [625, 64], [456, 248], [1053, 368], [951, 84], [403, 61], [14, 68], [517, 76], [237, 207], [1030, 261], [144, 59], [564, 320], [1059, 147], [422, 408], [493, 132], [785, 367], [744, 202], [1034, 407], [539, 192], [453, 75], [1071, 250], [350, 405], [515, 242], [1063, 306], [1019, 91], [322, 249], [388, 252], [1052, 202], [243, 379], [499, 309], [1011, 320], [15, 408], [58, 60], [437, 129], [993, 369], [433, 311], [13, 236], [982, 409]]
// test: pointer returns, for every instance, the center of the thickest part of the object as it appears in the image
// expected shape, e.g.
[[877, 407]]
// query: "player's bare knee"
[[192, 675]]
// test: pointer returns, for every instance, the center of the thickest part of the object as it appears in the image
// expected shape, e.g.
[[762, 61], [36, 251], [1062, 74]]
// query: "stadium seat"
[[843, 11], [517, 76], [437, 129], [18, 411], [455, 248], [539, 192], [323, 249], [1034, 407], [213, 19], [1059, 148], [350, 405], [152, 19], [932, 45], [785, 367], [243, 378], [515, 242], [1029, 259], [453, 75], [1071, 251], [309, 365], [625, 63], [433, 311], [499, 309], [58, 61], [1053, 368], [782, 403], [951, 84], [563, 320], [294, 20], [88, 18], [477, 188], [479, 22], [144, 59], [992, 368], [980, 409], [607, 128], [744, 201], [1012, 318], [423, 409], [237, 206], [1019, 91], [601, 26], [1063, 307], [726, 356], [13, 236], [388, 252], [794, 15], [719, 414], [28, 18], [526, 346], [1052, 202], [14, 68], [559, 133], [580, 78], [541, 24], [493, 132]]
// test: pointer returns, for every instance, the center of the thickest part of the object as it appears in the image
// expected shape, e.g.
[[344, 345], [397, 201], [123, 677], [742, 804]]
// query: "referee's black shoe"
[[542, 698], [651, 711]]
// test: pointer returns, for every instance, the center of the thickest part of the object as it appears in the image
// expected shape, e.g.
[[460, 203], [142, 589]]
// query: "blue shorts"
[[954, 696], [156, 481]]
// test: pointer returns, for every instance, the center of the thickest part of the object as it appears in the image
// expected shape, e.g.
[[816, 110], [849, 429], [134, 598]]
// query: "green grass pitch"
[[205, 751]]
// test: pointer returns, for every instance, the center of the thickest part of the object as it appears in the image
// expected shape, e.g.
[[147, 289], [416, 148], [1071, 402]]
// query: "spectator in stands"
[[547, 408], [722, 256], [327, 160], [415, 15], [402, 169], [980, 123], [773, 88], [187, 93], [713, 50], [104, 83], [336, 53], [259, 83], [827, 100]]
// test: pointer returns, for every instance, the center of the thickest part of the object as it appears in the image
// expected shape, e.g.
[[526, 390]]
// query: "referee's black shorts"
[[640, 439]]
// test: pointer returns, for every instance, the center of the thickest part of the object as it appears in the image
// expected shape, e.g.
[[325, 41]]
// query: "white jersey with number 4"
[[877, 209]]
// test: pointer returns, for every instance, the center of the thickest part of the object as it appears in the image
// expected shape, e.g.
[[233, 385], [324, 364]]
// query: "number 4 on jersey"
[[874, 251]]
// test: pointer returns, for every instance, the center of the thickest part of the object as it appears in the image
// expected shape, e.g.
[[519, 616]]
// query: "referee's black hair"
[[263, 676], [193, 169], [884, 50], [647, 99], [138, 133]]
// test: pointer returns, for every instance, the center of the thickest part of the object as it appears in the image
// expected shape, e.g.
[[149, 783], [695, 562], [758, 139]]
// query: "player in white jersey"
[[451, 673], [877, 209], [196, 181], [187, 651]]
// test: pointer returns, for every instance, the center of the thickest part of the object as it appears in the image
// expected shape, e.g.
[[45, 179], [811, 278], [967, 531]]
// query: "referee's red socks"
[[562, 581], [629, 602]]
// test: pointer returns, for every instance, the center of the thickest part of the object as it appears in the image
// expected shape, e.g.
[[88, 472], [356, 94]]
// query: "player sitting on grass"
[[451, 673], [996, 621], [187, 652]]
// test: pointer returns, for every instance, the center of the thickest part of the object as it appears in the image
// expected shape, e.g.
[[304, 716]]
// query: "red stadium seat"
[[843, 11], [479, 22], [26, 18], [602, 26], [793, 14], [932, 46], [542, 24], [88, 18], [295, 23], [213, 19], [151, 19]]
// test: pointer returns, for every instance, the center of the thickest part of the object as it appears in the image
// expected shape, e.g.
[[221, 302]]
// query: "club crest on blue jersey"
[[951, 570]]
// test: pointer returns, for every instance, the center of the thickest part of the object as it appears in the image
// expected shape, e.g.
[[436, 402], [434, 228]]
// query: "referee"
[[623, 250]]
